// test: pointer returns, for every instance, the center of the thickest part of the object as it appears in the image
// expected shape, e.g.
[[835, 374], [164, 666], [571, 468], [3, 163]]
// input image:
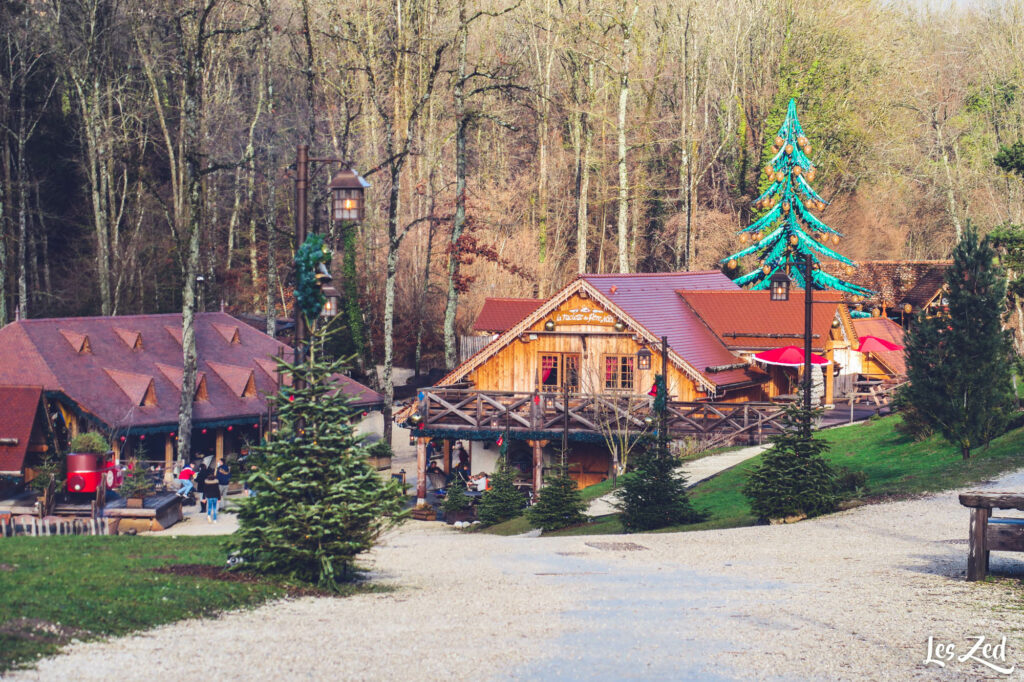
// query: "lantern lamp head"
[[780, 282], [415, 418], [549, 326], [333, 303], [643, 358], [907, 308], [347, 190]]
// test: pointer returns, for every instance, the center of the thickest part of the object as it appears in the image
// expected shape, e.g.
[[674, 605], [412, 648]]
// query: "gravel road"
[[855, 596]]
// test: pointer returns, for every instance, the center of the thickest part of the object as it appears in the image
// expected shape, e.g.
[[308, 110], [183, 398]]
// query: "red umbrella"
[[873, 344], [789, 356]]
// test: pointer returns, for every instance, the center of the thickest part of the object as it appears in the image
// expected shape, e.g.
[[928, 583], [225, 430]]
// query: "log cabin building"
[[122, 377], [26, 434], [581, 364]]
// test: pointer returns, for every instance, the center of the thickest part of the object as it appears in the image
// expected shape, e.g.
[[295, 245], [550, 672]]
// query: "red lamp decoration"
[[230, 428], [204, 431]]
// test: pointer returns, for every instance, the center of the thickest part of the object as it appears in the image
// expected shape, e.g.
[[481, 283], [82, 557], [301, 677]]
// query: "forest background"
[[147, 145]]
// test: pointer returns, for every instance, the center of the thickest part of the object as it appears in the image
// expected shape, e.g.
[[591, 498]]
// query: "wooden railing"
[[546, 415]]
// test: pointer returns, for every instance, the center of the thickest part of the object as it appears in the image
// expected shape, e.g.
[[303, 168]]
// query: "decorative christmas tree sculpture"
[[788, 230]]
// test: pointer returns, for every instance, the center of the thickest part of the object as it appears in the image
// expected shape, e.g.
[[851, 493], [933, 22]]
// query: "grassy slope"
[[895, 466], [103, 586]]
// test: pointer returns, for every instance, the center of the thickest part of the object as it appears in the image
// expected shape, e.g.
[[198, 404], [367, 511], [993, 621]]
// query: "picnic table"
[[991, 533]]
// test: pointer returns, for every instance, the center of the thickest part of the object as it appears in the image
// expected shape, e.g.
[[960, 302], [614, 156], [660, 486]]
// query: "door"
[[556, 371]]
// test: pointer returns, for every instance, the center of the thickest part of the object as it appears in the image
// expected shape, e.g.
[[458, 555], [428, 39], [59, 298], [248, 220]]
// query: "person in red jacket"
[[185, 477]]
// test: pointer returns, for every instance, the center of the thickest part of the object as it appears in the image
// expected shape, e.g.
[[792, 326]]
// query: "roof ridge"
[[650, 274]]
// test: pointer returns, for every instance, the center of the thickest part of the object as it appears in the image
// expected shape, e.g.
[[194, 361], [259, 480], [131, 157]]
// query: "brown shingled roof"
[[501, 314], [20, 407], [897, 282]]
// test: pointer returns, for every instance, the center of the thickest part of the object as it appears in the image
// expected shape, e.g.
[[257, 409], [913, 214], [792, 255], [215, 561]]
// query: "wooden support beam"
[[168, 459], [421, 470], [447, 456], [538, 466], [219, 444]]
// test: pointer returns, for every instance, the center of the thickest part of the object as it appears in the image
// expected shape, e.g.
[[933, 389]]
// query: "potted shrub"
[[379, 455], [87, 454], [136, 484]]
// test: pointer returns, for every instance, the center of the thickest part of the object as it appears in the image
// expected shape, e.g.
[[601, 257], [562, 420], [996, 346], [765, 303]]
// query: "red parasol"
[[789, 356], [873, 344]]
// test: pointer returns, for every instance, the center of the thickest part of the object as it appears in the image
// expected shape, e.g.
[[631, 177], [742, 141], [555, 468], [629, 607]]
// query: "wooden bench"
[[991, 533]]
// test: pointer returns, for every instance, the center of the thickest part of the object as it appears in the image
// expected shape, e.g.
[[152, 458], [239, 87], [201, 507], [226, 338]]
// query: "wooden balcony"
[[468, 413]]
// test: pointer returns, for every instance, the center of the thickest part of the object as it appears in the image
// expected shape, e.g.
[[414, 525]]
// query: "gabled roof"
[[652, 301], [884, 328], [649, 305], [897, 282], [749, 320], [501, 314], [20, 406], [104, 383]]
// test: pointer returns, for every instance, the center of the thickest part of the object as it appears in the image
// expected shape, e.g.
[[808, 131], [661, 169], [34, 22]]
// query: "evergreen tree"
[[455, 498], [793, 476], [559, 504], [960, 364], [655, 495], [501, 501], [787, 230], [317, 502]]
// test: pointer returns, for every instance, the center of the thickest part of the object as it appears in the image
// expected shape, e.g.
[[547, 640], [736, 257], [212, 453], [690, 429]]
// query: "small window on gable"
[[79, 342], [201, 393], [250, 387]]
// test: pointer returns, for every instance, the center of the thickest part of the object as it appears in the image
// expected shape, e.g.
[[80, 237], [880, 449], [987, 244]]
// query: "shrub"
[[850, 482], [136, 481], [455, 498], [89, 442]]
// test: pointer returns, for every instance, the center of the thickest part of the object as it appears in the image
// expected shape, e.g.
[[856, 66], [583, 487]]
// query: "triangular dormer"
[[241, 380], [139, 388], [175, 333], [131, 339], [229, 332], [269, 366], [79, 342], [176, 377]]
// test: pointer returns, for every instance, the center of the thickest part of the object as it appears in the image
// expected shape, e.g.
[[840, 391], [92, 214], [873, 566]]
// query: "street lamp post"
[[347, 189], [780, 282]]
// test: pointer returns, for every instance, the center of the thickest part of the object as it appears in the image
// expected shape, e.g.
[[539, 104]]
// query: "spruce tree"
[[559, 504], [793, 476], [317, 503], [501, 501], [455, 498], [960, 363], [655, 495]]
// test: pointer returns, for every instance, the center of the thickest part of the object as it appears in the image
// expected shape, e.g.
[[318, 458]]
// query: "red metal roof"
[[745, 320], [652, 301], [37, 352], [501, 314], [20, 404], [884, 328]]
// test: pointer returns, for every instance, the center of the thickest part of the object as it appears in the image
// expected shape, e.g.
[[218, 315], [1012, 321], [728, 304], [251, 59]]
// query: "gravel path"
[[855, 596]]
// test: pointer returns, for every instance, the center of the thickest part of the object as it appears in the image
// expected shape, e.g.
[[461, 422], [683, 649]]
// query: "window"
[[618, 372], [558, 370]]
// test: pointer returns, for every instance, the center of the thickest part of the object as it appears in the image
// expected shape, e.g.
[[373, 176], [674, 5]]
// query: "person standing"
[[201, 471], [223, 479], [211, 488]]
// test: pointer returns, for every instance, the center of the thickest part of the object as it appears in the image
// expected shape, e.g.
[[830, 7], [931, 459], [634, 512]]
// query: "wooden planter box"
[[380, 463], [134, 502], [424, 514]]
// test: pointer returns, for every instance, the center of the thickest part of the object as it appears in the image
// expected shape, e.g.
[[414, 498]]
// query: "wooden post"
[[829, 384], [977, 557], [116, 447], [168, 460], [219, 444], [447, 456], [421, 470], [538, 466]]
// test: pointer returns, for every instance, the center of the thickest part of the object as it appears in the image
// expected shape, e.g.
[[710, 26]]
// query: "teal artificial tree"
[[787, 230]]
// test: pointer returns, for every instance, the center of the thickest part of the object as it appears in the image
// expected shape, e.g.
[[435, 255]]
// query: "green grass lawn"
[[58, 588], [896, 466]]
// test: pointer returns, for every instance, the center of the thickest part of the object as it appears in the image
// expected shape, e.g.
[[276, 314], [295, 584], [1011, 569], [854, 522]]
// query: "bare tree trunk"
[[950, 197], [623, 199], [459, 220]]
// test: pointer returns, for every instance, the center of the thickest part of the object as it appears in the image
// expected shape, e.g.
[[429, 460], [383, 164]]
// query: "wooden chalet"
[[575, 365], [122, 376]]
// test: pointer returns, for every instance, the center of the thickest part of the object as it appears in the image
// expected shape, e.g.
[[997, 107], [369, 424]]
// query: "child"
[[185, 477]]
